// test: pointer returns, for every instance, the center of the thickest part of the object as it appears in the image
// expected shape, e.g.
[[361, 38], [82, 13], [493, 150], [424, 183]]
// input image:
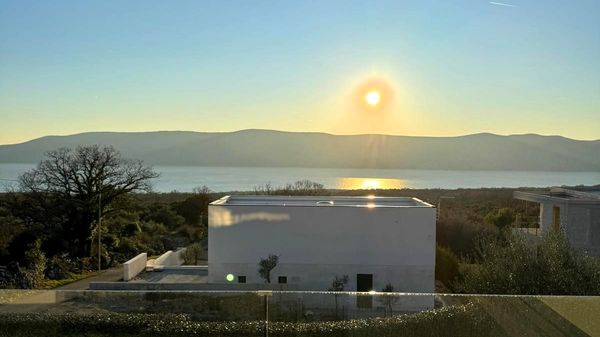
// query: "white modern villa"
[[372, 240], [575, 211]]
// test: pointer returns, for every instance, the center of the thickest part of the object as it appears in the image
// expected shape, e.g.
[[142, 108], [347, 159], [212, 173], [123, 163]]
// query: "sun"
[[373, 98]]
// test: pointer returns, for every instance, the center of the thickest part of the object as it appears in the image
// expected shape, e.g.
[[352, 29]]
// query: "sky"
[[442, 68]]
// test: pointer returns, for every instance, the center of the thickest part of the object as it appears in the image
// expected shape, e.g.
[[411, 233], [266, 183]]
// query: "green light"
[[229, 277]]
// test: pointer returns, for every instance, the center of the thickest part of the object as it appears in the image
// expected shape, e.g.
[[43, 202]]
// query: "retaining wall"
[[134, 266]]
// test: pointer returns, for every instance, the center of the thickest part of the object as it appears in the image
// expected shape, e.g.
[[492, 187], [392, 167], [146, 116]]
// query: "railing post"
[[266, 316], [266, 294]]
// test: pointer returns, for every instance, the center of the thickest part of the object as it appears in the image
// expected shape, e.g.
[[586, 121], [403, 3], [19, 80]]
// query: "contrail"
[[501, 4]]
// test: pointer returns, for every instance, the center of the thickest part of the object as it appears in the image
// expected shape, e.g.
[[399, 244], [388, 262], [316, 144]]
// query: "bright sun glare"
[[373, 97]]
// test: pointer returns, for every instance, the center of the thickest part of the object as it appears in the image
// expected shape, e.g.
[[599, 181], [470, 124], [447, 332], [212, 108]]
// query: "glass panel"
[[182, 313]]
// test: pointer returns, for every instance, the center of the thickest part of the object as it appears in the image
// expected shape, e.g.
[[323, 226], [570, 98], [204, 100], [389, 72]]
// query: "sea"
[[225, 179]]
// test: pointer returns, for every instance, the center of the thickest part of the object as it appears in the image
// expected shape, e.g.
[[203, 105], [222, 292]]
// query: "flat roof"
[[320, 201], [583, 195]]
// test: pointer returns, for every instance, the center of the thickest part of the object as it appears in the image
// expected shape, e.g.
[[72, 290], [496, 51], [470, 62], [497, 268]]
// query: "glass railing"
[[281, 313]]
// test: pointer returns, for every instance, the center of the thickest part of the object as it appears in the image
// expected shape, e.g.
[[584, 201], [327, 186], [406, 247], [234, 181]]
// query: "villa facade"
[[374, 241], [575, 211]]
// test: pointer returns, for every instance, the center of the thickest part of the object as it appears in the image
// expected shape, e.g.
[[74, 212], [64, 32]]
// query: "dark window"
[[241, 279], [364, 283], [282, 279]]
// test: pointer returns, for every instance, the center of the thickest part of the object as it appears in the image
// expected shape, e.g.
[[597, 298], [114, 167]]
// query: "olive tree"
[[266, 265]]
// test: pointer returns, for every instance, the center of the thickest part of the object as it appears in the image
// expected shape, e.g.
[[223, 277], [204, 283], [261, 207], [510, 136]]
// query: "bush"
[[194, 209], [446, 265], [60, 267], [192, 233], [462, 320], [501, 218], [459, 231], [192, 253], [10, 277], [163, 214], [10, 227], [35, 262], [513, 265]]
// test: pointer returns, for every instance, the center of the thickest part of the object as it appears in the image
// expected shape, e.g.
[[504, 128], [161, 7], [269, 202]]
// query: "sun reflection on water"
[[352, 183]]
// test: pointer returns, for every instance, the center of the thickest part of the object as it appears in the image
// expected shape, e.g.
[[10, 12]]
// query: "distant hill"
[[292, 149]]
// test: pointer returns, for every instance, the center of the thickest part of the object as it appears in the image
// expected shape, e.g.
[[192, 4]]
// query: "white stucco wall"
[[134, 266], [577, 226], [547, 215], [580, 224], [396, 245], [170, 258]]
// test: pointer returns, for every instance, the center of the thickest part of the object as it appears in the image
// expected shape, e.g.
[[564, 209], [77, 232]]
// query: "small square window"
[[241, 279], [282, 279]]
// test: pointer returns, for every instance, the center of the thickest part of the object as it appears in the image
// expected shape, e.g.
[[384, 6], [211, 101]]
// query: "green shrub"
[[191, 256], [459, 230], [446, 265], [163, 214], [501, 218], [513, 265], [59, 267], [10, 227], [462, 320], [35, 262]]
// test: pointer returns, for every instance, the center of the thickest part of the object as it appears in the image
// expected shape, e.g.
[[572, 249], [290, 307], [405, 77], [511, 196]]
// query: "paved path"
[[109, 275]]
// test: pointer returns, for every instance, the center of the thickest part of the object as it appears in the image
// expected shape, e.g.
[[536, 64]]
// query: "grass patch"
[[51, 284]]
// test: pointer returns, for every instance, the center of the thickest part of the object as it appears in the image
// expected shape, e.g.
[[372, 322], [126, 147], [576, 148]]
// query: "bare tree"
[[82, 182], [202, 190], [266, 265], [299, 187]]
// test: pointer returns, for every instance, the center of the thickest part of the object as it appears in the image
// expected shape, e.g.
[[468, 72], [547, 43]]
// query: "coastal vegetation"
[[49, 227], [512, 265]]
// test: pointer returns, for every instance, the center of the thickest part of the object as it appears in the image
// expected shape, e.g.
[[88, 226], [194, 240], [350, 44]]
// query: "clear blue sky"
[[452, 67]]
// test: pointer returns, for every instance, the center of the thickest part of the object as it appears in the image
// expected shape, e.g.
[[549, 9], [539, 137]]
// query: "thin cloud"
[[501, 4]]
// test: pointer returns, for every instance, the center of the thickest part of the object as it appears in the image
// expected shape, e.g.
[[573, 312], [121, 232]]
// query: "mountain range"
[[271, 148]]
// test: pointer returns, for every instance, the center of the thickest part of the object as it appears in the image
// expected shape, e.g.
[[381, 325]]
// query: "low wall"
[[134, 266], [170, 258]]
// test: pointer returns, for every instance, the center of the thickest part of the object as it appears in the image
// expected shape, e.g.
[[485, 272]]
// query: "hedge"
[[461, 320]]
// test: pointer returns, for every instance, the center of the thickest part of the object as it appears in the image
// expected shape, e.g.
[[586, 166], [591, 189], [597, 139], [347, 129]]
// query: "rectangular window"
[[282, 279], [241, 279]]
